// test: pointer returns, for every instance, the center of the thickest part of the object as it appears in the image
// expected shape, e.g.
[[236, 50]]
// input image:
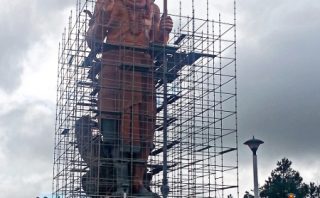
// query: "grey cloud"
[[23, 24], [27, 132], [279, 94]]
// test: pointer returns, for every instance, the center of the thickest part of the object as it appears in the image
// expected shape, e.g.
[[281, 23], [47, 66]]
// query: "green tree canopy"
[[248, 195], [314, 191], [284, 180]]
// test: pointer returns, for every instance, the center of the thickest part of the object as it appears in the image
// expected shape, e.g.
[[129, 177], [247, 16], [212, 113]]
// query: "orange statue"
[[127, 96]]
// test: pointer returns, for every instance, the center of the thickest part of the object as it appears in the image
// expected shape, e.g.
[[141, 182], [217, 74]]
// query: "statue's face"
[[138, 3]]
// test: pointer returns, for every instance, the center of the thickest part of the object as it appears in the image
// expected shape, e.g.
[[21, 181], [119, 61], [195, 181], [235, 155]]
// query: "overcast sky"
[[278, 76]]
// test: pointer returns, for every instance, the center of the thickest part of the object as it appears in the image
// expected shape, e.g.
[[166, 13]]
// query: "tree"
[[248, 195], [313, 191], [284, 180]]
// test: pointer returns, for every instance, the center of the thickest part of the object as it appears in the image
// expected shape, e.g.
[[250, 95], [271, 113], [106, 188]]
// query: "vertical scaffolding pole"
[[165, 8], [165, 188]]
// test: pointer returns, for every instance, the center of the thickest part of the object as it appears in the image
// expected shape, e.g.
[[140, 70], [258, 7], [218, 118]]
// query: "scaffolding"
[[194, 85]]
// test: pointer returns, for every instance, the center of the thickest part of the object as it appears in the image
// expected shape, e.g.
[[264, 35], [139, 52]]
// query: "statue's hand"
[[108, 5], [166, 24], [102, 10], [104, 5]]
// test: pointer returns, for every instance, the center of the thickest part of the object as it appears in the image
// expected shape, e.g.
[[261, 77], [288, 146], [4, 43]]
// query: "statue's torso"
[[129, 25]]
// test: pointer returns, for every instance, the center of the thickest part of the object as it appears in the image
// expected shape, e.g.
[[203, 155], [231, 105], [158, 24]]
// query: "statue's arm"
[[98, 26], [161, 27]]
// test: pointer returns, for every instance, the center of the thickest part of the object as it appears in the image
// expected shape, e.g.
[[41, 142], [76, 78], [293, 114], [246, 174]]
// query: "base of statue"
[[147, 194], [150, 195]]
